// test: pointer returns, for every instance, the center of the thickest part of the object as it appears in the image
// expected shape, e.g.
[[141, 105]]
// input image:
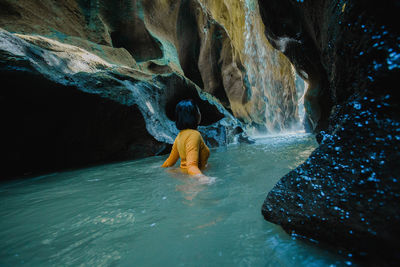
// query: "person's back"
[[188, 145]]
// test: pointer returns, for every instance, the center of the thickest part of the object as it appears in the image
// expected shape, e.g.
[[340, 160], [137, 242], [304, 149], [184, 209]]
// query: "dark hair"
[[187, 115]]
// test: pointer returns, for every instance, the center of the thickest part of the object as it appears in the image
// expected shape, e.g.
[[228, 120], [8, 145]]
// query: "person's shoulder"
[[193, 134]]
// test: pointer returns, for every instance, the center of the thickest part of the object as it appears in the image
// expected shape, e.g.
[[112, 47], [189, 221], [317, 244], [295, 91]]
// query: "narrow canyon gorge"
[[89, 82]]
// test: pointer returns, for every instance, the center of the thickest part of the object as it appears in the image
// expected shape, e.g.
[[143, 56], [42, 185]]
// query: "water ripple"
[[138, 213]]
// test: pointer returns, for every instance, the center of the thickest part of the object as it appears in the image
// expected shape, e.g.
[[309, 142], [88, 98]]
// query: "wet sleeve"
[[192, 147], [173, 157], [204, 154]]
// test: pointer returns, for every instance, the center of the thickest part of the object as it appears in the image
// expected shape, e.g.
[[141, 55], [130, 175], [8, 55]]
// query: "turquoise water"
[[138, 214]]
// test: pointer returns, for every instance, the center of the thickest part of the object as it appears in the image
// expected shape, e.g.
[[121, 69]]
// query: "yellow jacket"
[[190, 147]]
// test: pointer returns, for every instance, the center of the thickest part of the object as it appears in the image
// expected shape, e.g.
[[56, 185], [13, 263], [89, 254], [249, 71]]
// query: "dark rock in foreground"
[[347, 193]]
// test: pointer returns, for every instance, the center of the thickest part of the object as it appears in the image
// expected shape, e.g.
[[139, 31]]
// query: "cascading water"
[[270, 75], [301, 88]]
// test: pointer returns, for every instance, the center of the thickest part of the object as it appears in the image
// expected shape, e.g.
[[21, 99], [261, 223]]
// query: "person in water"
[[189, 145]]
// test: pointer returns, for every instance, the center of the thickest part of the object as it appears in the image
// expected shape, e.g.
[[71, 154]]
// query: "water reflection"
[[189, 186]]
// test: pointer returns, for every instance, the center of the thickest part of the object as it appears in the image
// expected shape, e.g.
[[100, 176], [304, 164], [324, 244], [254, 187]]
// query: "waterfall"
[[301, 88], [271, 76]]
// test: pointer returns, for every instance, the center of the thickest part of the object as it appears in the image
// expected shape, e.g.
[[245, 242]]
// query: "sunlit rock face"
[[95, 81], [347, 193], [258, 80], [62, 111], [212, 39], [142, 57]]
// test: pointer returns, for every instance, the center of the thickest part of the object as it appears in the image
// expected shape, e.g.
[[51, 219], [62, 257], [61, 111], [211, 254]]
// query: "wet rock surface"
[[347, 193], [73, 130], [206, 41], [145, 55], [61, 112], [258, 79]]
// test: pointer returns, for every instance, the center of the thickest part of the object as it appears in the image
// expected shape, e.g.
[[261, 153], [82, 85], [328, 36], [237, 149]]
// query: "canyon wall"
[[268, 79], [347, 193], [91, 81]]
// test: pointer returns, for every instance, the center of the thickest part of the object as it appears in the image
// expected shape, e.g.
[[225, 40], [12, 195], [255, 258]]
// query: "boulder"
[[346, 194]]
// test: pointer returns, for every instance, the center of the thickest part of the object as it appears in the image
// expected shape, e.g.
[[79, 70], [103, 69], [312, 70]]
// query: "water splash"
[[270, 75], [301, 89]]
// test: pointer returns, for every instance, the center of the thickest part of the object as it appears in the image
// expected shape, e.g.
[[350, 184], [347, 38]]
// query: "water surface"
[[138, 214]]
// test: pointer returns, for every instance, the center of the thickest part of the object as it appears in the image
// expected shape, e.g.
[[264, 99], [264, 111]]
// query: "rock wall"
[[138, 56], [204, 40], [258, 79], [347, 193], [61, 111]]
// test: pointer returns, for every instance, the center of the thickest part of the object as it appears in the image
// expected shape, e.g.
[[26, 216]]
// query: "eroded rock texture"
[[138, 56], [62, 112], [347, 193], [258, 79]]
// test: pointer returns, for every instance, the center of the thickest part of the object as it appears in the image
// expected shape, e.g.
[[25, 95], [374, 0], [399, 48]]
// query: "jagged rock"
[[258, 79], [145, 55], [347, 193], [62, 111], [210, 40], [207, 41]]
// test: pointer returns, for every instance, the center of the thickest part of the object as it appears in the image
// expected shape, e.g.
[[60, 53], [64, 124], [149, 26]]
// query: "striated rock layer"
[[210, 42], [60, 111], [264, 72], [347, 193], [109, 68]]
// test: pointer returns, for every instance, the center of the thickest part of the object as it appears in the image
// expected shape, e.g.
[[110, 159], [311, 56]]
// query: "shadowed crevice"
[[189, 42], [180, 91], [47, 126]]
